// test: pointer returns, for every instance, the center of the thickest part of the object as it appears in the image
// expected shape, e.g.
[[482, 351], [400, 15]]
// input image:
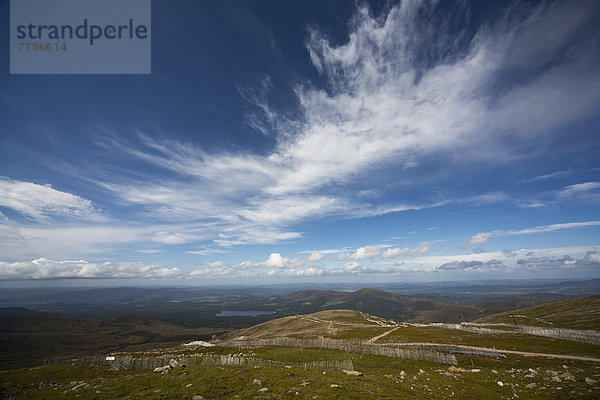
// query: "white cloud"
[[580, 189], [483, 237], [43, 268], [170, 238], [40, 202], [422, 249], [316, 257], [361, 253], [552, 175], [276, 261], [380, 109]]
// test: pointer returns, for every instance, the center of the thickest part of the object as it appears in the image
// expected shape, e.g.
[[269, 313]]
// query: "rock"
[[188, 385], [160, 369], [531, 385], [334, 385], [198, 397], [452, 368], [494, 371], [500, 383], [533, 371], [475, 370], [590, 381], [421, 371], [263, 390], [402, 374], [565, 367], [556, 379], [173, 363], [257, 382], [567, 376], [353, 373], [389, 376]]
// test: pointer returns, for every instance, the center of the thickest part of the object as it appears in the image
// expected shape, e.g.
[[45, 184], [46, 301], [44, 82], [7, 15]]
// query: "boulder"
[[353, 373], [173, 363], [257, 382]]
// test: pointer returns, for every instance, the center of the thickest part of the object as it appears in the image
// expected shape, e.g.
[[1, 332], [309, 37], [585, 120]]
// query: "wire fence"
[[127, 362], [349, 346]]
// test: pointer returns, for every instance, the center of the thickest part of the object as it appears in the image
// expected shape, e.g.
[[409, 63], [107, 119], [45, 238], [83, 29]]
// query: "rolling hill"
[[581, 313]]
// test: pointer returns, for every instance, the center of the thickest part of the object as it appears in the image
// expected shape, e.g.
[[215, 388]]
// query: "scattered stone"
[[421, 371], [500, 383], [263, 390], [189, 385], [353, 373], [565, 367], [389, 376], [402, 374], [305, 383], [567, 376], [173, 363], [160, 369], [288, 366], [533, 371], [157, 391], [556, 379], [452, 368], [334, 385], [494, 371], [590, 381], [475, 370], [198, 397], [531, 385], [257, 382], [530, 376]]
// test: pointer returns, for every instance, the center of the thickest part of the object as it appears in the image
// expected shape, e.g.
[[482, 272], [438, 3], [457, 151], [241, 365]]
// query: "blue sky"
[[290, 141]]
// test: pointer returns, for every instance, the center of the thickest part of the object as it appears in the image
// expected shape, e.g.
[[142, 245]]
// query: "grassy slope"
[[580, 313], [381, 380], [27, 339]]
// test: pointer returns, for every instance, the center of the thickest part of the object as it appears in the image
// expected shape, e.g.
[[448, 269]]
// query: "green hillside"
[[580, 313]]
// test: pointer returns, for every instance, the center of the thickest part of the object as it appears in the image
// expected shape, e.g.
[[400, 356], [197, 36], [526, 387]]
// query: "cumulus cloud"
[[473, 266], [276, 261], [316, 257], [361, 253], [43, 268], [41, 202], [422, 249]]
